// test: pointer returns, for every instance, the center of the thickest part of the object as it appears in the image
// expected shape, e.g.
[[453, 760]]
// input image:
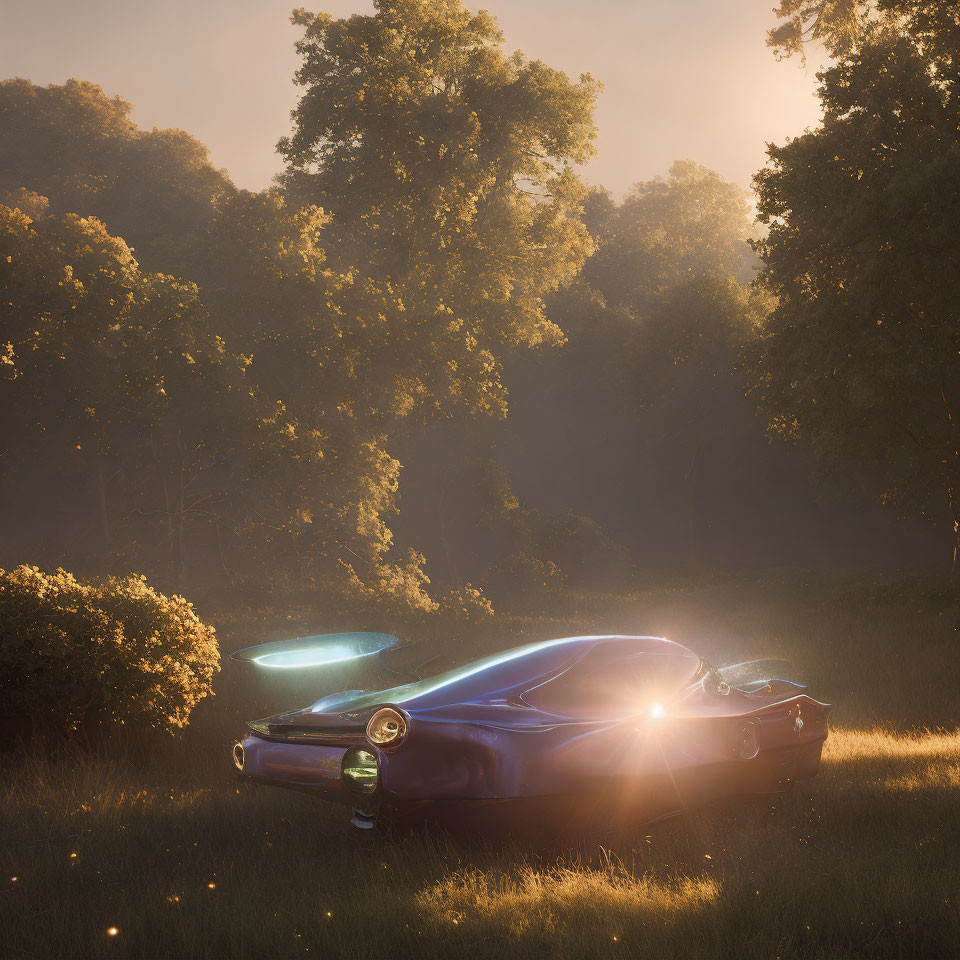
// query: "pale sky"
[[682, 78]]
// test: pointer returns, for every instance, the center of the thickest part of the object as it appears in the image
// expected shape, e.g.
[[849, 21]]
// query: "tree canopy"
[[243, 400], [79, 148], [861, 352], [446, 166], [214, 384], [840, 25]]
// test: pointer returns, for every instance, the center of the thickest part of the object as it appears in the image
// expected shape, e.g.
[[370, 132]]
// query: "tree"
[[639, 422], [840, 24], [118, 374], [667, 231], [445, 165], [78, 147], [861, 351], [329, 348], [305, 479], [670, 267]]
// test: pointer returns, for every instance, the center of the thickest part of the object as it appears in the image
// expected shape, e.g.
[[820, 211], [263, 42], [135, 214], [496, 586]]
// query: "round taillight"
[[387, 727]]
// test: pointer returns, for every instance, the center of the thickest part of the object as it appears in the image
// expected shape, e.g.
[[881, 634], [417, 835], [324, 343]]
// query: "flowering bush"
[[390, 588], [467, 604], [399, 590], [80, 657]]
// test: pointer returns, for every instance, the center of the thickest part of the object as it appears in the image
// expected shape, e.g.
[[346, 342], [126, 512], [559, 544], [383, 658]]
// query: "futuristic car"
[[574, 732]]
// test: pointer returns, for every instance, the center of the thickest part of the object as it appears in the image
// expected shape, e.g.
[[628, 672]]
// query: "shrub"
[[524, 577], [398, 589], [467, 604], [84, 656]]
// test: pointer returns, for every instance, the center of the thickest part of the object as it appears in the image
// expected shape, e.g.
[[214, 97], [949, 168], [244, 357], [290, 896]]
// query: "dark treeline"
[[430, 340]]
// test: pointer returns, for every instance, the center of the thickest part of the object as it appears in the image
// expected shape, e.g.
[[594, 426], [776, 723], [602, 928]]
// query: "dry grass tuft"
[[846, 746], [544, 902], [882, 760]]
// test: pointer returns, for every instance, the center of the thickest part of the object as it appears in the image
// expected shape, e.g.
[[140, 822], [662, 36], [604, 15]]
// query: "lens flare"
[[657, 711]]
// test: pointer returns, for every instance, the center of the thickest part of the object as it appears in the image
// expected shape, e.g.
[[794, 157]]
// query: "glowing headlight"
[[387, 727], [358, 770]]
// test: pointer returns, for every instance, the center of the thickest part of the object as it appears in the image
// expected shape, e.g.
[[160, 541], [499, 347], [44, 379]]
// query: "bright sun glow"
[[657, 711]]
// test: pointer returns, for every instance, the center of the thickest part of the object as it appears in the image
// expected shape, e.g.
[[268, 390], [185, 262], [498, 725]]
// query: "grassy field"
[[861, 862]]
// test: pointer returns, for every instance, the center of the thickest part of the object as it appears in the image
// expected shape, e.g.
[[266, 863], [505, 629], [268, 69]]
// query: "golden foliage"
[[84, 656]]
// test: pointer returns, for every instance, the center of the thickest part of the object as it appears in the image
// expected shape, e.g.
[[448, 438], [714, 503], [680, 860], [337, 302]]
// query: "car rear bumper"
[[314, 768]]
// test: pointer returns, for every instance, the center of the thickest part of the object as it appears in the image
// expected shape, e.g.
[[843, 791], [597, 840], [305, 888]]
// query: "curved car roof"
[[506, 670]]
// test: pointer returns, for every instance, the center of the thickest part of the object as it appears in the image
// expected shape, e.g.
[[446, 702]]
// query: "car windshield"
[[751, 672], [621, 685], [421, 688], [516, 665]]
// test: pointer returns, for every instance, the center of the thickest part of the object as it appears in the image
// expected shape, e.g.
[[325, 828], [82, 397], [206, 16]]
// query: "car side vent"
[[293, 731]]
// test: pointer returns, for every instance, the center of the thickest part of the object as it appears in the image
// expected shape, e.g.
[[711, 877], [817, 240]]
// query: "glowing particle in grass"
[[616, 939], [329, 914], [112, 931], [211, 886], [707, 856], [73, 856], [14, 879]]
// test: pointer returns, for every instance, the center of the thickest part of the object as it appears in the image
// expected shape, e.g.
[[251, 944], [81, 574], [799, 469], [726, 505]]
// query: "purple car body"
[[569, 732]]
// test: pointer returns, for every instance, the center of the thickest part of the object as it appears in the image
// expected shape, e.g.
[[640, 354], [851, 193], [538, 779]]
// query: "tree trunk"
[[952, 477], [168, 511], [231, 576], [955, 567], [442, 514], [102, 499], [181, 513], [690, 479]]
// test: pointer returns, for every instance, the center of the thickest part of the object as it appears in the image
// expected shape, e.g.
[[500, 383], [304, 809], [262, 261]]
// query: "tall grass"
[[861, 862]]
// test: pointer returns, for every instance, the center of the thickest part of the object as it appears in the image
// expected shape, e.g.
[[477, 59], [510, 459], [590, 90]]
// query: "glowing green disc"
[[318, 651]]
